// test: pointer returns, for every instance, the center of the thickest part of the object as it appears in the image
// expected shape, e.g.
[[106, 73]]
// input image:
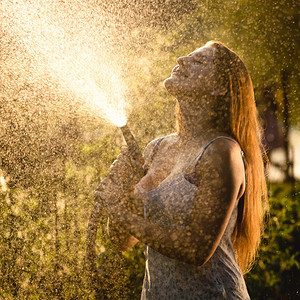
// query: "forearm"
[[121, 239], [176, 243]]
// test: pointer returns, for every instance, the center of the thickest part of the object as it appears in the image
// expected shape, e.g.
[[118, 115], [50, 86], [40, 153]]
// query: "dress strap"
[[155, 148], [150, 157], [224, 137], [199, 156], [192, 176]]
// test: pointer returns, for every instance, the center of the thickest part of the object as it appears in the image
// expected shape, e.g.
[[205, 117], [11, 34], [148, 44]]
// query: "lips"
[[178, 70]]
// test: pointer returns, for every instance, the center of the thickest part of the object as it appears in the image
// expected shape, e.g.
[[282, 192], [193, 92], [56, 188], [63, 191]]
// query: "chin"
[[167, 82], [176, 87], [171, 85]]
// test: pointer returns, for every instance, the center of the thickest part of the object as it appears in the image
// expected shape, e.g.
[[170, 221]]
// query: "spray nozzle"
[[131, 142]]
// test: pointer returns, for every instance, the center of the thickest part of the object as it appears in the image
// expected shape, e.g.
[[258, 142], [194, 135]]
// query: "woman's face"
[[195, 74]]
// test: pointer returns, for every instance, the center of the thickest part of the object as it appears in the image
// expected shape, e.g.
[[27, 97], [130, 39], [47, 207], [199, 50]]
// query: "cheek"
[[202, 73], [205, 81]]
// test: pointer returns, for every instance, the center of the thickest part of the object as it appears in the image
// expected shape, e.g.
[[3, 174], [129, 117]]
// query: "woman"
[[199, 207]]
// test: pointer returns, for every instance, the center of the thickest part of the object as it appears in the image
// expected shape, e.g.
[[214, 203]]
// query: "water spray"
[[79, 60]]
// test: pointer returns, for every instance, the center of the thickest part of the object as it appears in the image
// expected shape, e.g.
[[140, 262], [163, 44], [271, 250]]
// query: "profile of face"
[[194, 75]]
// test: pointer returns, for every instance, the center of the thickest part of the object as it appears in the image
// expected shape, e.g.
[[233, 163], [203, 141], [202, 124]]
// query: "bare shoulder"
[[223, 158], [222, 146], [166, 140]]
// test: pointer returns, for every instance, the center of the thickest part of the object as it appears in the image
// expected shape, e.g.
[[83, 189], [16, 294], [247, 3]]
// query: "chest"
[[168, 165], [171, 203]]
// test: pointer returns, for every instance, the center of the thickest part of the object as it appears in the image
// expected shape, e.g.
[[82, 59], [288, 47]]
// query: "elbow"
[[195, 260], [123, 244], [200, 255], [198, 260], [120, 239]]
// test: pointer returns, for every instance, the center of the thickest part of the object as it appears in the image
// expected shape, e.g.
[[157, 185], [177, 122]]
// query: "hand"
[[118, 187], [109, 194], [126, 170]]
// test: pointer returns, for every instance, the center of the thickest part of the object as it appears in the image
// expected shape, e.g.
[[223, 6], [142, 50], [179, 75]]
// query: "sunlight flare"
[[74, 54]]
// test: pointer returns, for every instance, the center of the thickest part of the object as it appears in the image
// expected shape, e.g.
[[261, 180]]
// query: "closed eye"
[[198, 62], [199, 59]]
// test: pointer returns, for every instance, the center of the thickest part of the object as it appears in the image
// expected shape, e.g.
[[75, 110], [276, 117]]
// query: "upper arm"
[[221, 176]]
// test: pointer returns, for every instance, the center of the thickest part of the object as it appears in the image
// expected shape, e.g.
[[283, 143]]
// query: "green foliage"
[[276, 273]]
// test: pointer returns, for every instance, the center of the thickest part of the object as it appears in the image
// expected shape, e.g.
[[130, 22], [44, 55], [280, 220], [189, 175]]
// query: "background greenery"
[[53, 155]]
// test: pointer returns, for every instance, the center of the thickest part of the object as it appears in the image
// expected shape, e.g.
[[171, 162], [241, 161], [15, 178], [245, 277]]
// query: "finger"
[[122, 168], [123, 171], [137, 164], [126, 153], [115, 178], [123, 159], [124, 150], [101, 198], [104, 184], [98, 195], [100, 187], [114, 166], [121, 162], [115, 162]]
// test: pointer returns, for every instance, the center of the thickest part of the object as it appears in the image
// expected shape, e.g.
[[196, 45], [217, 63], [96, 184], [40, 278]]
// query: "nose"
[[182, 60]]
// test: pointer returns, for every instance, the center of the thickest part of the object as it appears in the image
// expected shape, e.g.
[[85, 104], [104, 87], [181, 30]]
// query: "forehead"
[[207, 51]]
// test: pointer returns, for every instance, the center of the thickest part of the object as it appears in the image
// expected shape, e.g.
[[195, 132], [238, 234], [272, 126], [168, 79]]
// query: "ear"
[[219, 92]]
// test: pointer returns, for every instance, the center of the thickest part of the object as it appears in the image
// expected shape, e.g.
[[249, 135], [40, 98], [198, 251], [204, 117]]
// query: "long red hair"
[[239, 113]]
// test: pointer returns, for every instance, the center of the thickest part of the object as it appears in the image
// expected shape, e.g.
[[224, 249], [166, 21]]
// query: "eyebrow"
[[198, 54]]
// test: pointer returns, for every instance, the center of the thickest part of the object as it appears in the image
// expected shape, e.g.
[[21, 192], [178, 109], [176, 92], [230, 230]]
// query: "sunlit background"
[[70, 73]]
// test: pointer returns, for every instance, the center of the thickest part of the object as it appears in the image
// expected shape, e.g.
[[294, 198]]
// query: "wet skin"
[[194, 75], [220, 173]]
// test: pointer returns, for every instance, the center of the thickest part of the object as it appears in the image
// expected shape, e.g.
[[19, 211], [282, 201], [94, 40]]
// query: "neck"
[[199, 120]]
